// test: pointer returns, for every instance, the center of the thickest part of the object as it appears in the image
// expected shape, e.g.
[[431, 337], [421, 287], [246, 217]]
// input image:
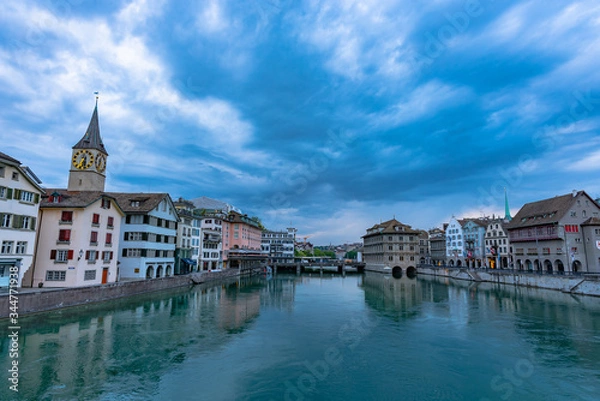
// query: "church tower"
[[88, 161]]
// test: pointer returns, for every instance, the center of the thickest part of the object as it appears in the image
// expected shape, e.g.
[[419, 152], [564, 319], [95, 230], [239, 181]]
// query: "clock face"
[[83, 159], [100, 162]]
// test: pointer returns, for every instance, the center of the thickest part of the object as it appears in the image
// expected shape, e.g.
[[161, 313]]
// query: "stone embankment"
[[38, 300], [584, 284]]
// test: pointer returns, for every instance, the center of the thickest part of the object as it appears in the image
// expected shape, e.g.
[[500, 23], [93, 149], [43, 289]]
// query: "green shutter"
[[17, 221], [17, 194], [33, 226], [36, 198], [9, 192]]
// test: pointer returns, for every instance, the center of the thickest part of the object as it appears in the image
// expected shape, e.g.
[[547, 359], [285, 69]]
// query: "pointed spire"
[[92, 139], [507, 215]]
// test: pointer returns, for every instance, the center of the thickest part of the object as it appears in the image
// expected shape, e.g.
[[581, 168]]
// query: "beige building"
[[558, 234], [79, 239], [392, 244]]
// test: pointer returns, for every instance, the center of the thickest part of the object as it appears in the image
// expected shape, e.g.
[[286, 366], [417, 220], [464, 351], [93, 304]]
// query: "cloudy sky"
[[331, 116]]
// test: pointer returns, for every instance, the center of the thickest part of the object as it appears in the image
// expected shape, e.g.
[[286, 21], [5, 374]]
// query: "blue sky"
[[330, 115]]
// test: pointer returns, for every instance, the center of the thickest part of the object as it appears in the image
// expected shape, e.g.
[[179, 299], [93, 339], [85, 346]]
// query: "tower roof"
[[92, 139]]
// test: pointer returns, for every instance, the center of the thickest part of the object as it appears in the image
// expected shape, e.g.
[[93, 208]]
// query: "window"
[[27, 196], [95, 219], [94, 238], [573, 213], [3, 192], [105, 203], [597, 231], [6, 220], [132, 252], [21, 247], [91, 256], [108, 239], [390, 247], [61, 256], [64, 236], [2, 168], [391, 258], [107, 256], [110, 222], [56, 275], [66, 217], [15, 176], [6, 247], [89, 275], [136, 219], [25, 222]]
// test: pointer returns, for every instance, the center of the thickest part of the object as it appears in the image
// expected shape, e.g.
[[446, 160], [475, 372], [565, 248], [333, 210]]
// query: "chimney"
[[574, 193]]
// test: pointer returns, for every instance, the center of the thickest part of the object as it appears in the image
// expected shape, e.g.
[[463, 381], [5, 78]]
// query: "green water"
[[367, 337]]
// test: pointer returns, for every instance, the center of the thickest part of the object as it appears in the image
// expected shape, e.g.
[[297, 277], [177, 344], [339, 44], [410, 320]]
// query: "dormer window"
[[135, 203]]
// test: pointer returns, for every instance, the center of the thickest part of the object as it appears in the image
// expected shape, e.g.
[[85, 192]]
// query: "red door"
[[105, 275]]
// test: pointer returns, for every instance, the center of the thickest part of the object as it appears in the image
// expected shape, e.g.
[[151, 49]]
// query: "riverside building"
[[20, 194]]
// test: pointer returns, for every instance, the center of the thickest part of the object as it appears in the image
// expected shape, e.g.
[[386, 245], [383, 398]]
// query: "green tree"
[[350, 255]]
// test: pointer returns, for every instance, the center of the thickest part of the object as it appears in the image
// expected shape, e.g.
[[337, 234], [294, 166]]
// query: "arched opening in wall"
[[159, 271], [505, 262], [479, 263], [548, 266], [459, 262], [411, 272], [560, 268], [537, 266], [150, 272], [169, 269], [451, 262], [576, 267], [397, 272], [422, 261], [528, 264]]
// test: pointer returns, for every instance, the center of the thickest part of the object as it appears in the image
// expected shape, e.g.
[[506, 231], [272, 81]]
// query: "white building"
[[497, 247], [279, 245], [211, 240], [148, 235], [188, 237], [20, 193]]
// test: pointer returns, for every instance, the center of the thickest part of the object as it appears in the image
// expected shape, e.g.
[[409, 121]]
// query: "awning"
[[189, 261]]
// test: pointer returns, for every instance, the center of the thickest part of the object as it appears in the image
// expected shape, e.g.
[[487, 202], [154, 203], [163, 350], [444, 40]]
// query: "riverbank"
[[30, 300], [584, 284]]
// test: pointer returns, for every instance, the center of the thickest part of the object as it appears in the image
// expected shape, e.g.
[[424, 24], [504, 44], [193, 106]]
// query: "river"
[[312, 337]]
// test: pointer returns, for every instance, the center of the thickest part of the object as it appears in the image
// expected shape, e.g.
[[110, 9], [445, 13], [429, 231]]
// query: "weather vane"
[[96, 93]]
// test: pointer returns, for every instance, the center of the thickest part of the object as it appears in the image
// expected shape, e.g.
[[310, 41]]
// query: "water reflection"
[[127, 345]]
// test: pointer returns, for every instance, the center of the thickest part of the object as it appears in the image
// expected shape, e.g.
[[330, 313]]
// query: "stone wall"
[[583, 284], [38, 300]]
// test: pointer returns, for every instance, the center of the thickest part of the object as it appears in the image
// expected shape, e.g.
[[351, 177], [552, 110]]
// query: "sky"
[[330, 116]]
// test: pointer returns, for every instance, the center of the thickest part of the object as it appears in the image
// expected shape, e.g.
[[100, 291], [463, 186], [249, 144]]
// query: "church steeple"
[[507, 215], [92, 139], [88, 164]]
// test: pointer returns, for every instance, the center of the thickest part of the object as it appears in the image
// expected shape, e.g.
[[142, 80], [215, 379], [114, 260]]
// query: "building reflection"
[[392, 296], [73, 353]]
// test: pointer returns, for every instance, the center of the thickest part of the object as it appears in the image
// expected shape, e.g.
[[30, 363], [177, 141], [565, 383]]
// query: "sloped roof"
[[388, 227], [128, 201], [6, 158], [205, 202], [92, 139], [74, 199], [547, 211], [592, 221]]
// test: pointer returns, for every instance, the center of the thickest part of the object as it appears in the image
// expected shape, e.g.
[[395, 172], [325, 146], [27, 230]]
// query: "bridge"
[[324, 265]]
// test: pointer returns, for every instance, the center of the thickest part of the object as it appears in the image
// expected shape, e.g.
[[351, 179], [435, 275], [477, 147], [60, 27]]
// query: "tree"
[[258, 221], [350, 255]]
